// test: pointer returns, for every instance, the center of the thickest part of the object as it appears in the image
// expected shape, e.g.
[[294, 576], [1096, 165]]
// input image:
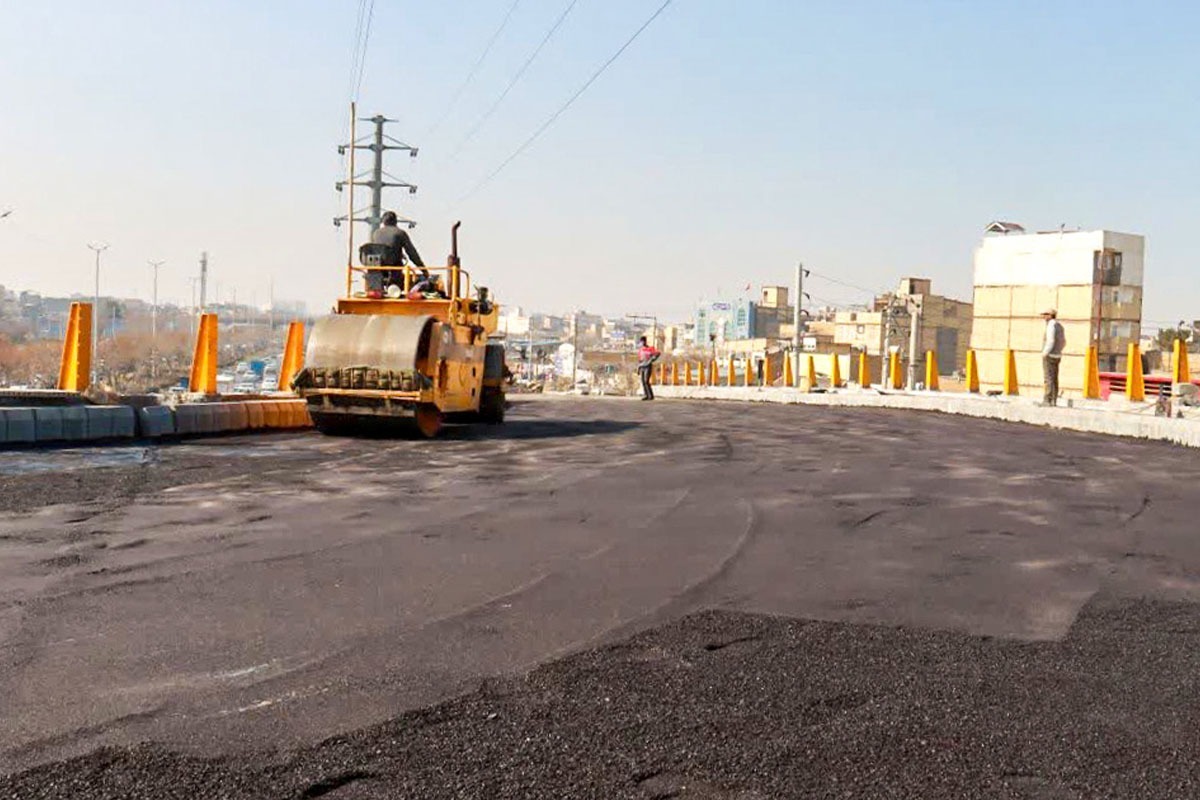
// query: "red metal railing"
[[1156, 385]]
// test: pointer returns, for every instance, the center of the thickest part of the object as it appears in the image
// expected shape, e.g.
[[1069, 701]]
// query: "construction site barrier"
[[18, 425], [156, 421], [110, 422], [48, 424], [293, 355], [75, 366], [972, 372], [931, 371]]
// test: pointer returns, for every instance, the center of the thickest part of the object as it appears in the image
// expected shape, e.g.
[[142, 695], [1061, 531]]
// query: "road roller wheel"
[[429, 420], [331, 424]]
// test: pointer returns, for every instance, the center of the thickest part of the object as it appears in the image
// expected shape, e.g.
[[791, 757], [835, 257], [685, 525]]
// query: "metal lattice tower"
[[376, 178]]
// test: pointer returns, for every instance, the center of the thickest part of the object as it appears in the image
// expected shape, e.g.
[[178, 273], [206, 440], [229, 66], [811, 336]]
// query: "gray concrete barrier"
[[48, 424], [156, 421], [19, 425], [74, 423], [110, 422], [222, 414]]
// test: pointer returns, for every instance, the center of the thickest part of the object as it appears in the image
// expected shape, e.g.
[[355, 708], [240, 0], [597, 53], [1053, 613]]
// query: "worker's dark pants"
[[1050, 373], [647, 389]]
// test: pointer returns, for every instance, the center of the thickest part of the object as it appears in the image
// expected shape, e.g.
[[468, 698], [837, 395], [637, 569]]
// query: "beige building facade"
[[945, 325], [1092, 278]]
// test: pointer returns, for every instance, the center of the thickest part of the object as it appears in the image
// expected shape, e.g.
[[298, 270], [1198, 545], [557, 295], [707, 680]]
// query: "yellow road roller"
[[408, 351]]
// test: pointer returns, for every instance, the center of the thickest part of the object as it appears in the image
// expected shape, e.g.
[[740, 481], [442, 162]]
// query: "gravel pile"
[[743, 707]]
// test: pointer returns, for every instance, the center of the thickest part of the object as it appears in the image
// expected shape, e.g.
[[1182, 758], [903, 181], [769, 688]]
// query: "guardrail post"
[[203, 378], [835, 372], [1011, 387], [931, 371], [864, 371], [746, 381], [1135, 382], [730, 377], [768, 372], [972, 372], [789, 372], [812, 374], [1179, 363], [1091, 375], [75, 366], [895, 374], [674, 373], [714, 374], [293, 355]]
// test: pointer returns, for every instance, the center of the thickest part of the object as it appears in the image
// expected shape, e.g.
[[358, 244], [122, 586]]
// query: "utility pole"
[[378, 143], [98, 248], [798, 318], [203, 281], [574, 349], [914, 338], [154, 265]]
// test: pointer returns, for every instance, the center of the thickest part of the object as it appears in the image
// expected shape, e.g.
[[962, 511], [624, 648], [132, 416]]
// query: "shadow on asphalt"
[[538, 429]]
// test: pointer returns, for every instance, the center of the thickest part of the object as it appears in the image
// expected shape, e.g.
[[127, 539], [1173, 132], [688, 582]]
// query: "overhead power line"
[[854, 286], [479, 123], [475, 68], [366, 40], [356, 49], [570, 101]]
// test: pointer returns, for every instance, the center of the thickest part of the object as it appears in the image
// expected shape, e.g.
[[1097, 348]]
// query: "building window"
[[860, 328], [950, 310], [1106, 267]]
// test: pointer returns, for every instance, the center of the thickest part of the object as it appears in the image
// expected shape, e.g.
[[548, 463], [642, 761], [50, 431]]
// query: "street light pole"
[[98, 248], [154, 322]]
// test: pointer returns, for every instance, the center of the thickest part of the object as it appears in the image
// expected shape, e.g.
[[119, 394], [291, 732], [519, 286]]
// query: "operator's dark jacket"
[[398, 243]]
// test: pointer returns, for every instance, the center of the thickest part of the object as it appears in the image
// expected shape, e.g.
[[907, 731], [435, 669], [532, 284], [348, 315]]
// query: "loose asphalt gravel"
[[610, 600]]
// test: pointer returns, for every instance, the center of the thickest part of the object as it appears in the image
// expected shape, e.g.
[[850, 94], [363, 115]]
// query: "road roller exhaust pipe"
[[453, 262]]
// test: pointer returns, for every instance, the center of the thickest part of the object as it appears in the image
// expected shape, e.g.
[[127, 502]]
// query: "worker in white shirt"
[[1052, 350]]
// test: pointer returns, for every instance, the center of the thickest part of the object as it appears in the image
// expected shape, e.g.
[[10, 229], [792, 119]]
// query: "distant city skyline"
[[872, 140]]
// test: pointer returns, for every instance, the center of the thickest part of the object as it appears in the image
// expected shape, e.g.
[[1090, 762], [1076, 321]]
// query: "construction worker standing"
[[1052, 350], [647, 355]]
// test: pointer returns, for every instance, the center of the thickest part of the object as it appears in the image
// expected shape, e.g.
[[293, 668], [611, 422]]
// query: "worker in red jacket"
[[647, 355]]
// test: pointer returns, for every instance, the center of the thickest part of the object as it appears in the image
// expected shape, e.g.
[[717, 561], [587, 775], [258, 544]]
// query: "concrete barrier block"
[[292, 413], [272, 414], [254, 415], [185, 420], [48, 424], [20, 425], [208, 420], [124, 425], [222, 415], [99, 424], [155, 421], [239, 417], [74, 423], [110, 422], [193, 418]]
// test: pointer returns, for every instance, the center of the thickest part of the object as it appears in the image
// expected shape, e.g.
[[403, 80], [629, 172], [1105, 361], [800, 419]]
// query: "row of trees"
[[132, 361]]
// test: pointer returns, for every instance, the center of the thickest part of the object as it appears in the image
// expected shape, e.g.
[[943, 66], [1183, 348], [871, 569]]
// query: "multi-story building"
[[724, 320], [944, 325], [773, 315], [1093, 279]]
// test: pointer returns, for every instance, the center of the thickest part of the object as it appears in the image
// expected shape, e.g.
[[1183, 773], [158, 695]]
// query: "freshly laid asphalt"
[[606, 599]]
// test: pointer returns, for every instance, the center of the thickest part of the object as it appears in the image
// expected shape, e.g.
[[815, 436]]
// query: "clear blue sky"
[[870, 139]]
